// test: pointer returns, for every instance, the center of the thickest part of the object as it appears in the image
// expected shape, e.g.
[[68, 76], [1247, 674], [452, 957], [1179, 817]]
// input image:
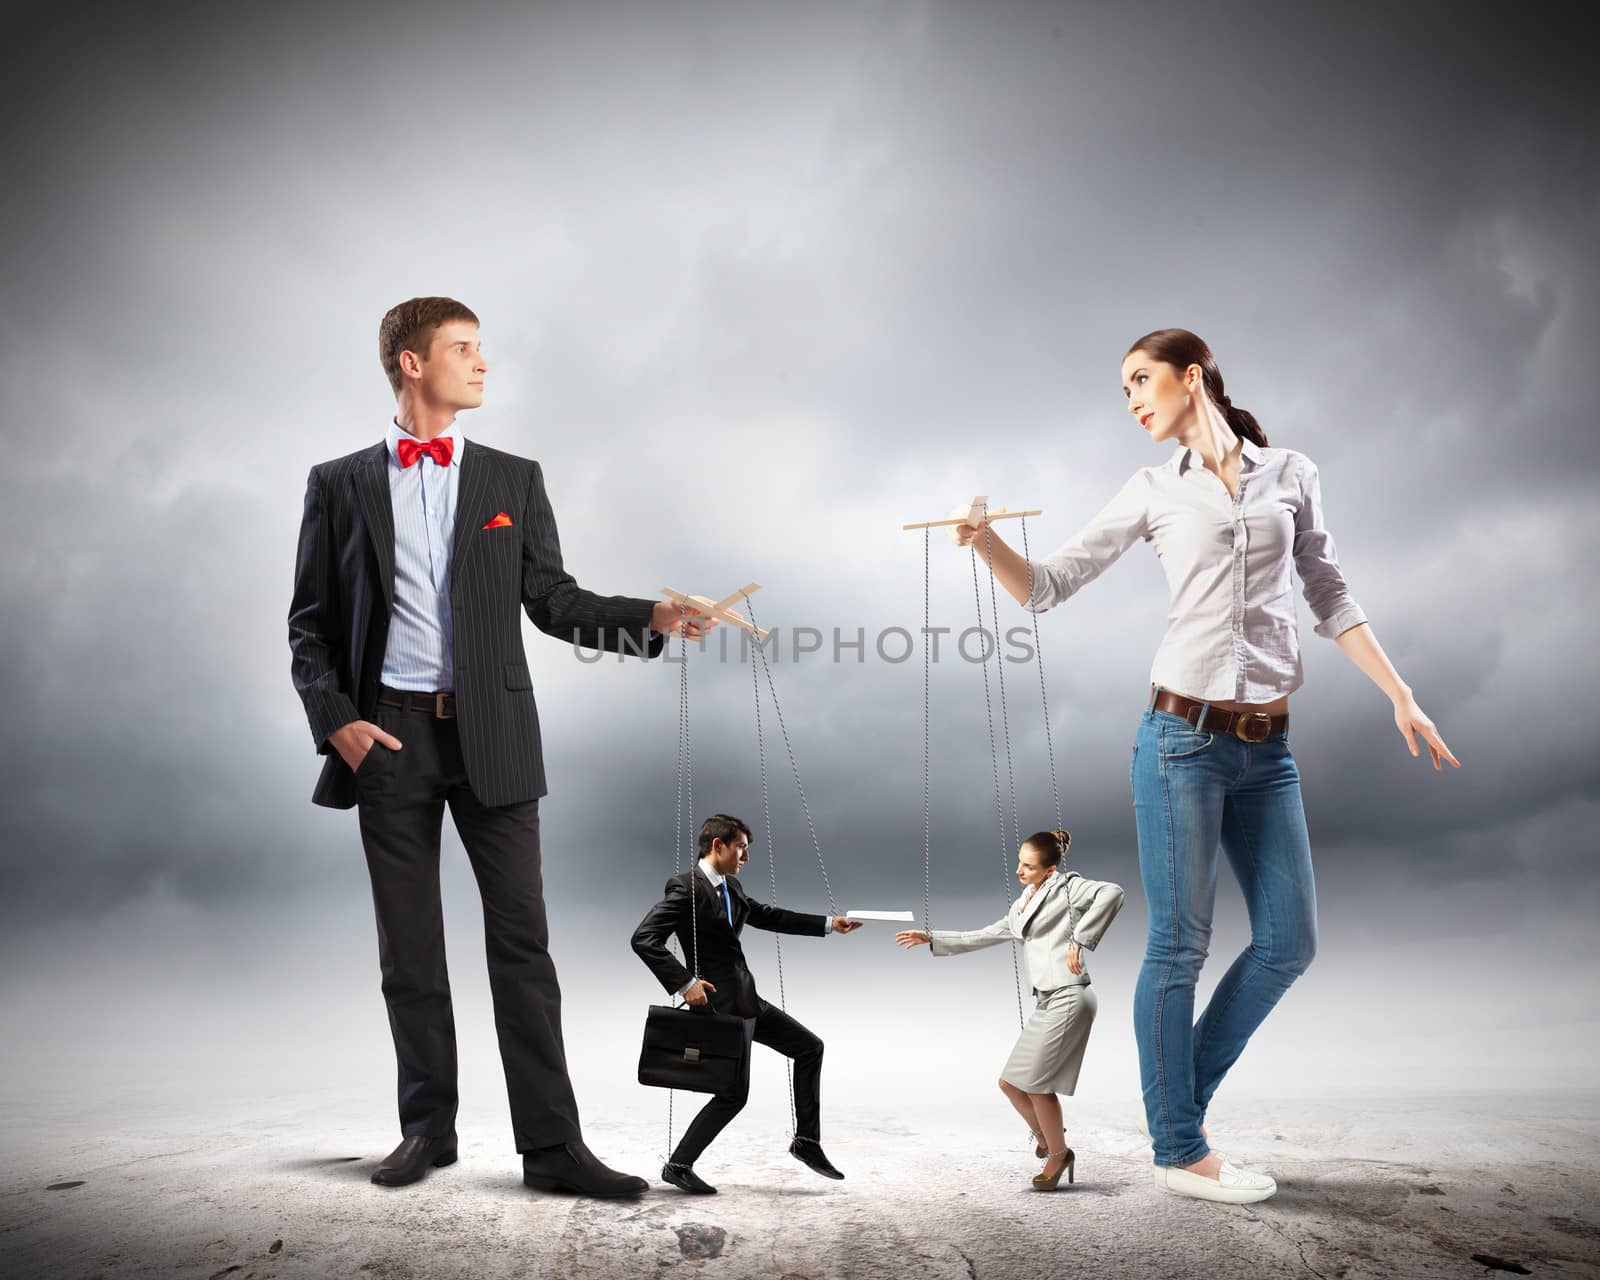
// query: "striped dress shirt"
[[418, 656]]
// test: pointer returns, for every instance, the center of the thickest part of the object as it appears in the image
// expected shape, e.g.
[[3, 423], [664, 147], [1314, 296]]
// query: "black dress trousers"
[[777, 1030], [401, 797]]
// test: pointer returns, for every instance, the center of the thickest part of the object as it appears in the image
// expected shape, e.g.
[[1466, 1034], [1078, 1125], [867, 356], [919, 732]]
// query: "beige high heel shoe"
[[1047, 1182], [1041, 1148]]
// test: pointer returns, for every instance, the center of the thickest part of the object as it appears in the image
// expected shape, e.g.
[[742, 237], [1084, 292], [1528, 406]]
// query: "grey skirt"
[[1049, 1051]]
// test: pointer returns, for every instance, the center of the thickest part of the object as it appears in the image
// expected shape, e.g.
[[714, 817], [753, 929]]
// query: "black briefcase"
[[702, 1052]]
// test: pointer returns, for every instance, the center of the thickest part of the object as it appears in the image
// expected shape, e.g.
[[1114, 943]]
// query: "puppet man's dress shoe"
[[685, 1178], [808, 1151], [412, 1159], [571, 1166]]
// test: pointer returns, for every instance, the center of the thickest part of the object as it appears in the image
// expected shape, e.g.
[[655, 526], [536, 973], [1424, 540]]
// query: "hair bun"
[[1063, 838]]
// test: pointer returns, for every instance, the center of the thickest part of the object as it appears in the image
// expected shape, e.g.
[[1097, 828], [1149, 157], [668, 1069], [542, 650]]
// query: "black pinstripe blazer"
[[344, 594]]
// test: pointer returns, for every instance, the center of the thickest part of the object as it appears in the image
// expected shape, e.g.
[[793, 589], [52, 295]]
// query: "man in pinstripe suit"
[[406, 643]]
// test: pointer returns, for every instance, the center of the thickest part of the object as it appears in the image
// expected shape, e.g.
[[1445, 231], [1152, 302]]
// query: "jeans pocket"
[[1179, 744]]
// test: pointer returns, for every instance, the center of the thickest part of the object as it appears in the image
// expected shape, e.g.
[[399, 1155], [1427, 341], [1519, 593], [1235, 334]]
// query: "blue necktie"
[[727, 902]]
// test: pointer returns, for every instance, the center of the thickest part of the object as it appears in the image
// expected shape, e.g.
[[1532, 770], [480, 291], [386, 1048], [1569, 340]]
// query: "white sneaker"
[[1232, 1185]]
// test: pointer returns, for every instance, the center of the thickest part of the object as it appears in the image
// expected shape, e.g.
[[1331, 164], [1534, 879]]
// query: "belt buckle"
[[1252, 717], [438, 706]]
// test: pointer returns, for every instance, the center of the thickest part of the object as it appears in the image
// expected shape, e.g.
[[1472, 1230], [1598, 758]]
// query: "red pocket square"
[[501, 521]]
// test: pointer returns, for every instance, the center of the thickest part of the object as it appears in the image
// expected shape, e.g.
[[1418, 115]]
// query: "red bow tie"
[[439, 449]]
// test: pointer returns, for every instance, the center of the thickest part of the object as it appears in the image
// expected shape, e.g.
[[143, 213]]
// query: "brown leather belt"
[[441, 705], [1247, 726]]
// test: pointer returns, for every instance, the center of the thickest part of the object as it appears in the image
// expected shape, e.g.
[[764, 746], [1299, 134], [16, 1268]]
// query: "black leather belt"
[[441, 704], [1247, 726]]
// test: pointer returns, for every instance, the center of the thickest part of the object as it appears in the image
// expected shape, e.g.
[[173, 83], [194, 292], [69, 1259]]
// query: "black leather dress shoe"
[[412, 1159], [571, 1166], [808, 1151], [685, 1178]]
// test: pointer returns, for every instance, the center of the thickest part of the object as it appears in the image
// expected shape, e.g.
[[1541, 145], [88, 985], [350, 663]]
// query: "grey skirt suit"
[[1066, 908]]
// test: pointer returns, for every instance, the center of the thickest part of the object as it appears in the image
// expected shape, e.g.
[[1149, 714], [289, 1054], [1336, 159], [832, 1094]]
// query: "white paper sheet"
[[880, 915]]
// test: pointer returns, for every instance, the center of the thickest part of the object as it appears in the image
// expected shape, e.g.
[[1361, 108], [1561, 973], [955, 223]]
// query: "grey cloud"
[[757, 288]]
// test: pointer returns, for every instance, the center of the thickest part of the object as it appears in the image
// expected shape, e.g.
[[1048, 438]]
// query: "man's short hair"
[[411, 326], [723, 827]]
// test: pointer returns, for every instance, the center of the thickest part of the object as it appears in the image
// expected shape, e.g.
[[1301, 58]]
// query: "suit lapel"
[[475, 468], [1052, 885], [713, 895], [708, 895], [377, 513]]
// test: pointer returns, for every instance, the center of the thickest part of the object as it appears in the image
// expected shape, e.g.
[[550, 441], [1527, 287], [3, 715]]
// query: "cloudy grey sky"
[[758, 284]]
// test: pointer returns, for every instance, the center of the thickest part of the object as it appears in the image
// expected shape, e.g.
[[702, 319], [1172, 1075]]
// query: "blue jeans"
[[1193, 792]]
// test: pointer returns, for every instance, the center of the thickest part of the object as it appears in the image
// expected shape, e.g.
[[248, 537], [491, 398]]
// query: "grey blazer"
[[1066, 908]]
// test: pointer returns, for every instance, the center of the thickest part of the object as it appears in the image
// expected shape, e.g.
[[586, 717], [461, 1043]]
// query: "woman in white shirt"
[[1228, 516]]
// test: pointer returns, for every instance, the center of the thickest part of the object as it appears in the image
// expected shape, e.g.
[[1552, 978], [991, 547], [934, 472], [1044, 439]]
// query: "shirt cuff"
[[1042, 595], [1349, 616]]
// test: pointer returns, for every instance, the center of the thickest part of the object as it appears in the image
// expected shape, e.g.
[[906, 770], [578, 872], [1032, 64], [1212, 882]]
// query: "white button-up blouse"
[[1231, 632]]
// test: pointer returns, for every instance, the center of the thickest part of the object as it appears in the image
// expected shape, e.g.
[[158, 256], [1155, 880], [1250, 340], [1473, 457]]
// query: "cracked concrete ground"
[[278, 1188]]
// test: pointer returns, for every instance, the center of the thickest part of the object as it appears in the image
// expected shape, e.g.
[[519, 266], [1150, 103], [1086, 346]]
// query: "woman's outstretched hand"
[[909, 938], [963, 534], [1410, 720]]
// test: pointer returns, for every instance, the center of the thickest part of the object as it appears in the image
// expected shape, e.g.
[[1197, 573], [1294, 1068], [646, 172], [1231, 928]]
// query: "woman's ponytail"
[[1241, 421]]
